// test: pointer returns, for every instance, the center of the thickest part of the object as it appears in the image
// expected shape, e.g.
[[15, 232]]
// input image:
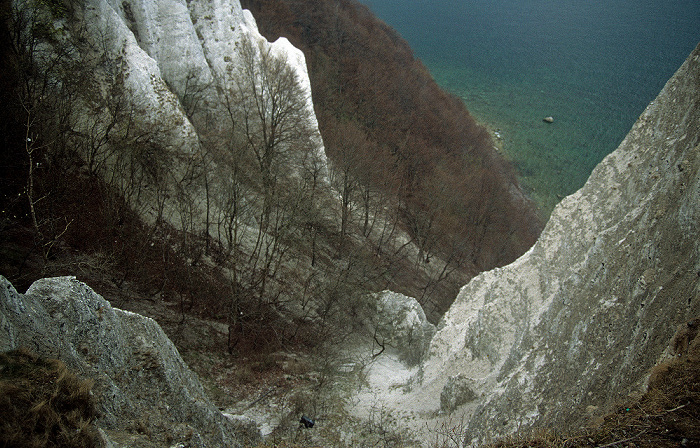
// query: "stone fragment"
[[401, 324], [458, 391]]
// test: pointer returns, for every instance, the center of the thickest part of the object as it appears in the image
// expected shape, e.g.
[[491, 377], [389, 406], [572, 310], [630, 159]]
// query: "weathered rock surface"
[[400, 323], [578, 321], [142, 385], [174, 64], [170, 46], [458, 391]]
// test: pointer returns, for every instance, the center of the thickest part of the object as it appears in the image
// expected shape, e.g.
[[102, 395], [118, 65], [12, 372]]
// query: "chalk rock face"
[[142, 75], [178, 62], [580, 319], [194, 44], [458, 391], [402, 325], [185, 43], [140, 379]]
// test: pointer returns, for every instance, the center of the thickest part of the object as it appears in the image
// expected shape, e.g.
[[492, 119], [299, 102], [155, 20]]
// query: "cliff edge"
[[577, 322], [580, 319]]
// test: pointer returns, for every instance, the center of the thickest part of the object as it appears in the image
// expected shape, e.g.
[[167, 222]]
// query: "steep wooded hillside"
[[119, 148], [385, 120], [196, 181]]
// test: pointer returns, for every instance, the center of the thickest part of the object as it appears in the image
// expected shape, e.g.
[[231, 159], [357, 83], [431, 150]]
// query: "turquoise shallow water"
[[593, 65]]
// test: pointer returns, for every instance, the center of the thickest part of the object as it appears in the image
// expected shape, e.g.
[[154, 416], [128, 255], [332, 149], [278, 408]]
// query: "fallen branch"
[[671, 410], [382, 345], [621, 441], [261, 397]]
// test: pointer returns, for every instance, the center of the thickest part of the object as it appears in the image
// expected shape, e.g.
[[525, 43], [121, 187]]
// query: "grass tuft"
[[42, 404]]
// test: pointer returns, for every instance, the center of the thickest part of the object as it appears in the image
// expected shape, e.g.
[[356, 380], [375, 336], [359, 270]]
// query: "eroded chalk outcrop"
[[578, 321], [399, 323], [161, 77], [142, 385]]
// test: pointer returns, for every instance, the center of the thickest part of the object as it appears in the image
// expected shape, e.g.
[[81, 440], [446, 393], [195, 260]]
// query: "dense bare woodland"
[[407, 159], [387, 123]]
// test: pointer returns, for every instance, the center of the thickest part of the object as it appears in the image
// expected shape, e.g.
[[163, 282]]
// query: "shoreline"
[[527, 190]]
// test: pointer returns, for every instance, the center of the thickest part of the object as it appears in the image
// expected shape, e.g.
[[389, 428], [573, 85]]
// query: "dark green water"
[[593, 65]]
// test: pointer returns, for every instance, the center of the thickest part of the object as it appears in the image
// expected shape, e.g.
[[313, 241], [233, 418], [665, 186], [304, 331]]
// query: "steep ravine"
[[568, 328], [577, 322]]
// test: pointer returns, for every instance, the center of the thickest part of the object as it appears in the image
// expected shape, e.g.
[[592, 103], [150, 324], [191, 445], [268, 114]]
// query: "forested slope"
[[148, 186], [387, 123]]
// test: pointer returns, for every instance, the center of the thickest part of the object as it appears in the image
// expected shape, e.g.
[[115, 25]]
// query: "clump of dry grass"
[[42, 404], [667, 415]]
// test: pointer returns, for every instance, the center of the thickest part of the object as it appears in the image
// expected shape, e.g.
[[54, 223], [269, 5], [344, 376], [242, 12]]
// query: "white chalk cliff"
[[579, 320], [177, 60], [174, 43]]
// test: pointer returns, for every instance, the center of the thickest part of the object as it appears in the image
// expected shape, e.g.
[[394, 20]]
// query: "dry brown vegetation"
[[407, 158], [407, 137], [67, 198], [43, 405]]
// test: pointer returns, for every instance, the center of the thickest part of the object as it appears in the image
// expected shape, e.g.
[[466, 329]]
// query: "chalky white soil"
[[390, 399]]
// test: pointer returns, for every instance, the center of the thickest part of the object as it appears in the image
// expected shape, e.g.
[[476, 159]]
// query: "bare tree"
[[40, 62], [276, 130]]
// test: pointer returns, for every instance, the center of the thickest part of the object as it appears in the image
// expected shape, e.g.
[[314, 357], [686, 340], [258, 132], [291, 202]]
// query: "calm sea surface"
[[593, 65]]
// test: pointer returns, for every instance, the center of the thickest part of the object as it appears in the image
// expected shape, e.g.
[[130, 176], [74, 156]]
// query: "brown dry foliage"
[[363, 73], [87, 228], [42, 404]]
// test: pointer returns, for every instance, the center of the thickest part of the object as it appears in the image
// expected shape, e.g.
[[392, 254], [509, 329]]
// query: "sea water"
[[592, 65]]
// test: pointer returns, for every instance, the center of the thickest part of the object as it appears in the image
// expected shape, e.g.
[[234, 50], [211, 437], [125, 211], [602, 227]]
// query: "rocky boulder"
[[400, 323], [142, 385], [457, 392]]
